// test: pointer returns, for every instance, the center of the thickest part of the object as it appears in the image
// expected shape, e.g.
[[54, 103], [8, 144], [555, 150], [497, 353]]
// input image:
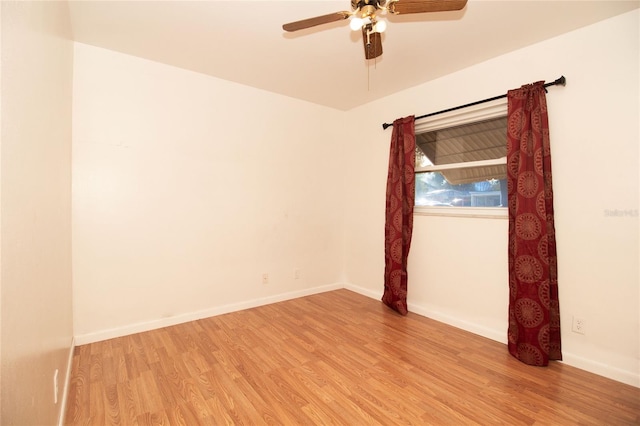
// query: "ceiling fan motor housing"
[[359, 4]]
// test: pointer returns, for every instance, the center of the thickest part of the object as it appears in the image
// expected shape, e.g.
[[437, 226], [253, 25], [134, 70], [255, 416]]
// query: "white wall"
[[187, 188], [458, 266], [35, 206]]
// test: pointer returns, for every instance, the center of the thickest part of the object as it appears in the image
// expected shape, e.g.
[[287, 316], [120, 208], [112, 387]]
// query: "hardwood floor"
[[331, 358]]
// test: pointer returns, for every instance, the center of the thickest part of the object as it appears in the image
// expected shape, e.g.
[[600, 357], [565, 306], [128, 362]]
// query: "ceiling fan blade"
[[318, 20], [372, 43], [401, 7]]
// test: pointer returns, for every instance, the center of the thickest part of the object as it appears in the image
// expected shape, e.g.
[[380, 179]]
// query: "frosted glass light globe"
[[380, 26], [356, 23]]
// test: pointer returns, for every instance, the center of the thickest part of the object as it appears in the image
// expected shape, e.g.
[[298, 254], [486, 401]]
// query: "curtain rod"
[[561, 81]]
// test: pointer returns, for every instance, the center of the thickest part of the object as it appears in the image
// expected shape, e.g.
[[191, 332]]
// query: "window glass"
[[462, 165]]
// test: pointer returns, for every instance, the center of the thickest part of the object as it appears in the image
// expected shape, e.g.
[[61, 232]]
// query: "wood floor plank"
[[127, 403], [331, 358], [149, 397], [153, 419], [97, 412], [111, 404], [261, 408]]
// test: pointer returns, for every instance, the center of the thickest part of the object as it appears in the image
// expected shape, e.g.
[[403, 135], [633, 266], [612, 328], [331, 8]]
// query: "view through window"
[[462, 165]]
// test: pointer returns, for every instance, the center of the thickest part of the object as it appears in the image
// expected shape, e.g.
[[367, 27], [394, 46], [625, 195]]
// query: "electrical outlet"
[[296, 274], [55, 387], [265, 278], [579, 325]]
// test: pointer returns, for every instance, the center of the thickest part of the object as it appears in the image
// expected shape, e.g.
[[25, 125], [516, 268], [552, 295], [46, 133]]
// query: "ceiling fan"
[[364, 16]]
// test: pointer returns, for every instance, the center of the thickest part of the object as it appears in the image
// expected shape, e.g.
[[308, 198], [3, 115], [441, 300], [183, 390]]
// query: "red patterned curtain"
[[534, 309], [399, 213]]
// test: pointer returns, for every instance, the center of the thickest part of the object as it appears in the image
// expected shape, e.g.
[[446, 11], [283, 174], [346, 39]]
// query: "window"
[[461, 163]]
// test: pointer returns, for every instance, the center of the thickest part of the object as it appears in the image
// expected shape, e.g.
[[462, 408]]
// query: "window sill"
[[479, 212]]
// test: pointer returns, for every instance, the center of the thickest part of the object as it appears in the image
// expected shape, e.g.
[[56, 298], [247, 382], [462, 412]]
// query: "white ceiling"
[[243, 41]]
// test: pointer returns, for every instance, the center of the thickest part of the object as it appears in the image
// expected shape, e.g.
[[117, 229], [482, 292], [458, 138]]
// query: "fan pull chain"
[[375, 67], [370, 46]]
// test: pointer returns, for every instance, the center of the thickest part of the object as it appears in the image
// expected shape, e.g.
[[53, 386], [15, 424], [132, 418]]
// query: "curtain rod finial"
[[386, 125], [561, 80]]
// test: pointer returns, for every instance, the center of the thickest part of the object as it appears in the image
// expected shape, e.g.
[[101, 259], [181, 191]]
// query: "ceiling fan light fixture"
[[356, 23], [380, 26]]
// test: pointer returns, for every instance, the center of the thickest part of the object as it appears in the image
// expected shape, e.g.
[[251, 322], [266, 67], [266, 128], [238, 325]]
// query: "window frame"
[[485, 111]]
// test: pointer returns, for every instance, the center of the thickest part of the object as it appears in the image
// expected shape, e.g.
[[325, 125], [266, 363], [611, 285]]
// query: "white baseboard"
[[608, 371], [65, 389], [364, 291], [489, 333], [438, 316], [605, 370], [623, 376], [98, 336], [500, 336]]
